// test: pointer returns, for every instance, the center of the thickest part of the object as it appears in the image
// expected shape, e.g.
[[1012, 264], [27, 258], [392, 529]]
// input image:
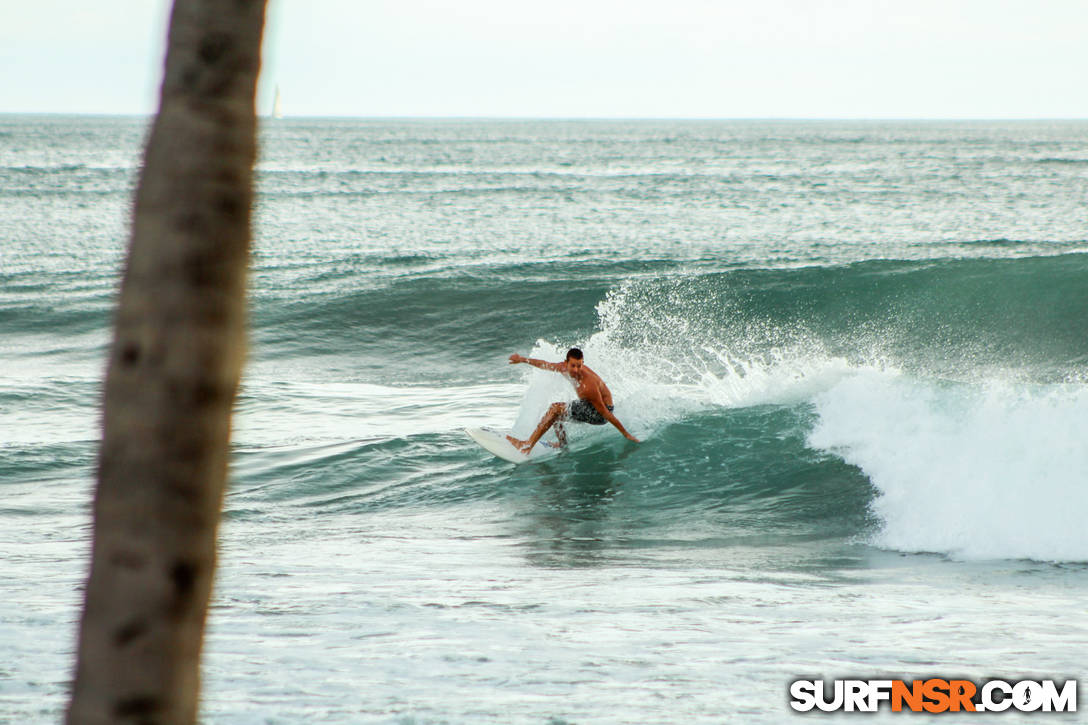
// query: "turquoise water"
[[856, 353]]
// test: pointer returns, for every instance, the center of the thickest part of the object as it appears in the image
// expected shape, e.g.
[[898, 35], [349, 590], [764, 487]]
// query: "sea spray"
[[668, 352]]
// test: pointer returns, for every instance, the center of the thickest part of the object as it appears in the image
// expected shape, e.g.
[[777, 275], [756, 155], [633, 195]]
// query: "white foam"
[[975, 471]]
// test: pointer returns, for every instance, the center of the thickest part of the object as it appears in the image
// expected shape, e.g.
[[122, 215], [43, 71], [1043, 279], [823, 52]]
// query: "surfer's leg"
[[561, 433], [555, 412]]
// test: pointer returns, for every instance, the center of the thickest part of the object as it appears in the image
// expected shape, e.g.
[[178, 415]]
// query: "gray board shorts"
[[582, 411]]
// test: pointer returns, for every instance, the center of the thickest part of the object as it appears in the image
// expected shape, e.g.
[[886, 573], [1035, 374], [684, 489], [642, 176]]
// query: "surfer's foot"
[[521, 445]]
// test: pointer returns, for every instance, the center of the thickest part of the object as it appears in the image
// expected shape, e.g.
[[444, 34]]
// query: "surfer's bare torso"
[[588, 386]]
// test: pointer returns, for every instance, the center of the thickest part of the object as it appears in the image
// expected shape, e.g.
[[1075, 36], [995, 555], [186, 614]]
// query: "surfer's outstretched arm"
[[607, 414], [542, 364]]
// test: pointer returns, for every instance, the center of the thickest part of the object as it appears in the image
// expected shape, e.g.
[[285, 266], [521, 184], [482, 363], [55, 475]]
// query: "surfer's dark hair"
[[574, 353]]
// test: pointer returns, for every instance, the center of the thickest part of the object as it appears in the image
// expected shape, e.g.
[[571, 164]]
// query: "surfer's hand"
[[632, 438], [515, 359]]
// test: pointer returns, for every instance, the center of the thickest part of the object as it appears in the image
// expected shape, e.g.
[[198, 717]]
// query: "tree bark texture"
[[174, 368]]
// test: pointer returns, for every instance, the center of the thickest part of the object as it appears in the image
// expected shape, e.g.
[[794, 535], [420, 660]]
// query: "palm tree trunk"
[[177, 354]]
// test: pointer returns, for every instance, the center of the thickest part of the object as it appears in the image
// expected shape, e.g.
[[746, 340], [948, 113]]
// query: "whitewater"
[[856, 355]]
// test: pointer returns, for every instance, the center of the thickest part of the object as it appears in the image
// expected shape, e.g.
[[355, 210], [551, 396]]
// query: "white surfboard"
[[496, 443]]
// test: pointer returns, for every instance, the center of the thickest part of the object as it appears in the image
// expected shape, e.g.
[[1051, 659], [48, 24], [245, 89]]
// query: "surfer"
[[593, 406]]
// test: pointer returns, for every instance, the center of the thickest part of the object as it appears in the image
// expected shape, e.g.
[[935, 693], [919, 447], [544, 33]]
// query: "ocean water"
[[856, 354]]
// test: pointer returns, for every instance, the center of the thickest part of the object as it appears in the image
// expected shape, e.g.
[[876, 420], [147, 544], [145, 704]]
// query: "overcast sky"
[[584, 58]]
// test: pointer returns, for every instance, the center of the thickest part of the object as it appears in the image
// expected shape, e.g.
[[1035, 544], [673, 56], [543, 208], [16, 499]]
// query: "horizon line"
[[765, 119]]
